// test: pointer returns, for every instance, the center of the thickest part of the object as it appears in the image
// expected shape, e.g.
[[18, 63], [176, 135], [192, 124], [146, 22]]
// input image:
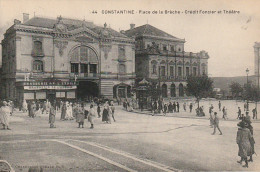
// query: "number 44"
[[94, 12]]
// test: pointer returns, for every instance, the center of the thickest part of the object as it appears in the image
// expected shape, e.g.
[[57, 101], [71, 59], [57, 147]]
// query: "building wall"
[[257, 62]]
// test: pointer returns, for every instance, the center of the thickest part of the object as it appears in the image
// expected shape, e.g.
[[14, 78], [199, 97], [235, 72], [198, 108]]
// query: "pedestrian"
[[91, 116], [5, 115], [254, 113], [98, 110], [80, 116], [105, 114], [33, 110], [216, 124], [211, 109], [245, 106], [219, 105], [174, 106], [112, 107], [155, 106], [178, 106], [44, 107], [191, 106], [224, 110], [165, 109], [244, 137], [63, 111], [239, 113], [25, 106], [184, 106], [52, 115]]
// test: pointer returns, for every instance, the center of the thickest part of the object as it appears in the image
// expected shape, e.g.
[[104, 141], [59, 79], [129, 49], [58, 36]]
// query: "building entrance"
[[87, 90]]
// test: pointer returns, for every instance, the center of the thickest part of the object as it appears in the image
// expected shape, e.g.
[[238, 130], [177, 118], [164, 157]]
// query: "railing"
[[84, 75]]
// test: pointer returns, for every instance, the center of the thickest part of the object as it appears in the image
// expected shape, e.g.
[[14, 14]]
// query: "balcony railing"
[[84, 75]]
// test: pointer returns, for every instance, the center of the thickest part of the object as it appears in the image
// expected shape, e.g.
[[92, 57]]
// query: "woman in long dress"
[[91, 116], [80, 116], [63, 111], [25, 106], [52, 115], [105, 115], [5, 113], [244, 139]]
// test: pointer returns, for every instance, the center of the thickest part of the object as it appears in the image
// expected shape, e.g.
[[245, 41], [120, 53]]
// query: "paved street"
[[135, 142]]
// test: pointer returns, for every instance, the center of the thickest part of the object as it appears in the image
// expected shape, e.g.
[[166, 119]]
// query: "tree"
[[199, 87], [250, 92], [236, 89]]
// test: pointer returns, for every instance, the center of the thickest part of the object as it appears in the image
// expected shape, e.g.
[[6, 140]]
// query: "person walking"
[[211, 109], [239, 113], [80, 116], [216, 124], [165, 109], [178, 107], [112, 107], [91, 116], [105, 114], [224, 110], [243, 139], [33, 110], [219, 105], [254, 113], [191, 106], [98, 110], [52, 115], [25, 106], [174, 106], [63, 111], [5, 115], [184, 106]]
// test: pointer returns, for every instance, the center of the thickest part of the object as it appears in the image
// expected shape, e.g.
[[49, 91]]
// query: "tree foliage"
[[236, 89], [199, 86], [250, 92]]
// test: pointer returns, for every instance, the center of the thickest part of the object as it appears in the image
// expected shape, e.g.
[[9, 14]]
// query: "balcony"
[[84, 75]]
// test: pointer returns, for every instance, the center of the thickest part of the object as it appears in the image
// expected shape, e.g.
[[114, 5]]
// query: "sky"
[[228, 38]]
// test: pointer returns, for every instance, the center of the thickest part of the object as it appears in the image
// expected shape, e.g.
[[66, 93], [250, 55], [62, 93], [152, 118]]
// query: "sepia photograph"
[[129, 85]]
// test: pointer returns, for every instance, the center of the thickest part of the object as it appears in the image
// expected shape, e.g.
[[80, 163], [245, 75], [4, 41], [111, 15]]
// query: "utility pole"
[[247, 72]]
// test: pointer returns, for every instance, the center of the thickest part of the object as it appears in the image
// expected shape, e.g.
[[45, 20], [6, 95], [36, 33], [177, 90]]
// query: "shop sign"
[[50, 83], [49, 87]]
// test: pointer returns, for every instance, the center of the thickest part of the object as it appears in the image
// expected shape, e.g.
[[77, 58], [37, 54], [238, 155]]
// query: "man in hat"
[[216, 124], [4, 115]]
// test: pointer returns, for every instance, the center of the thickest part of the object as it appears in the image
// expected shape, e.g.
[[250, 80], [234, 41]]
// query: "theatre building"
[[65, 58], [160, 58]]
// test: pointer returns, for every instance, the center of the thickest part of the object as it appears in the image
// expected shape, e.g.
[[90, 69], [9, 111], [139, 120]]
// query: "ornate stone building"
[[257, 62], [65, 58], [160, 57]]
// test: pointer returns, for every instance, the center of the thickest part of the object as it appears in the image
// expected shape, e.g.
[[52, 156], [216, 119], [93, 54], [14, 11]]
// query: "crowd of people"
[[81, 111]]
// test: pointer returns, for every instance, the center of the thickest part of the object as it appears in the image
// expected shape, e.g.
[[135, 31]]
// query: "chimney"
[[132, 25], [25, 17]]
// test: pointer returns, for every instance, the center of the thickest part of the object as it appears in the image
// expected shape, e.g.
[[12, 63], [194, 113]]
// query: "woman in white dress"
[[25, 106], [5, 113], [70, 112], [67, 111]]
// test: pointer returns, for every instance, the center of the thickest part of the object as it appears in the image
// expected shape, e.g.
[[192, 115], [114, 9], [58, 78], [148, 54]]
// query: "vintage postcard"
[[129, 85]]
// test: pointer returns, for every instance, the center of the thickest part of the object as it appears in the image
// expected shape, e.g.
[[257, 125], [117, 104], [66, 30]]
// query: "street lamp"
[[247, 72]]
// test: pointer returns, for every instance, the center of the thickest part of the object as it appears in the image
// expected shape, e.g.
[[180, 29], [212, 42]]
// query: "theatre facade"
[[161, 59], [66, 59]]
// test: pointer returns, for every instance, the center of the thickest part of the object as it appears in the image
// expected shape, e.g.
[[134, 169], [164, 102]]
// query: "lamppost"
[[247, 72]]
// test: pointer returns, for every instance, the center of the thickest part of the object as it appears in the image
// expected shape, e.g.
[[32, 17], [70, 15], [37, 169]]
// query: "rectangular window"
[[74, 68], [187, 71], [179, 71], [83, 68], [172, 48], [194, 71], [37, 49], [164, 47], [40, 95], [162, 70], [93, 68], [171, 71], [71, 95]]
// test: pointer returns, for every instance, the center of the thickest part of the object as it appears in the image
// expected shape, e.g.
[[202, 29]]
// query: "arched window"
[[181, 90], [37, 66], [173, 93], [203, 69], [83, 60], [122, 69], [154, 69], [164, 90]]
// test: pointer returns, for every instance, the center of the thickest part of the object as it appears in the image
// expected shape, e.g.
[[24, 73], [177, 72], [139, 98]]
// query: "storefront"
[[42, 90]]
